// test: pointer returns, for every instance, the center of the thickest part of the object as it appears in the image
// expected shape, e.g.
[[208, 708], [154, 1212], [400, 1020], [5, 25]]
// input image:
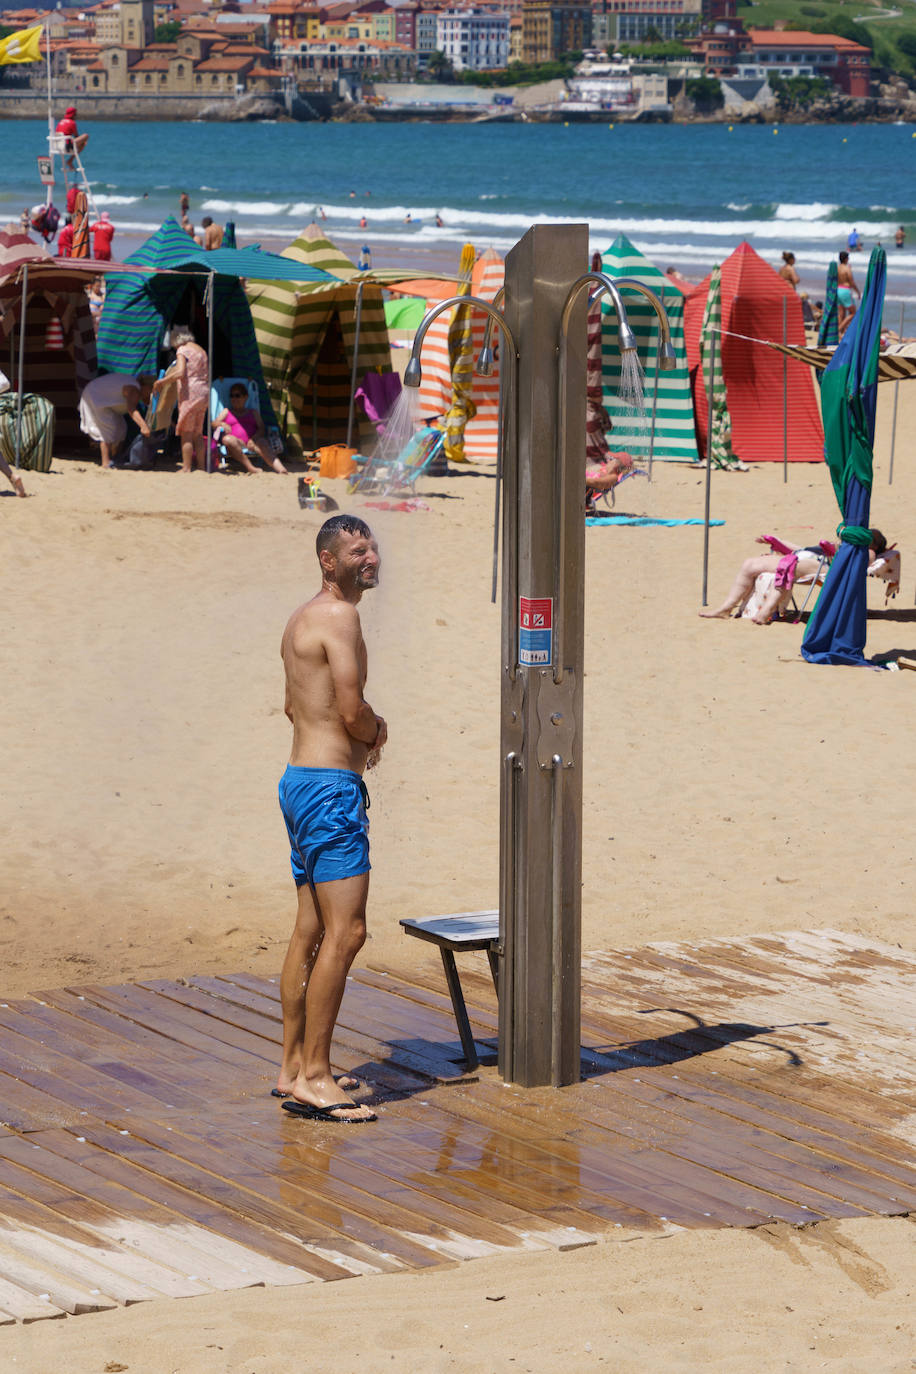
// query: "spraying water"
[[399, 427], [631, 398]]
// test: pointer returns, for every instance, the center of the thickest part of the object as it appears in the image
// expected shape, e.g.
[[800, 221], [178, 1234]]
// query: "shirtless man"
[[845, 285], [336, 735], [213, 233]]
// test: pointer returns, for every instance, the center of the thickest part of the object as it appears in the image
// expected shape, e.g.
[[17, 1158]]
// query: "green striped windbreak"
[[306, 336], [675, 437]]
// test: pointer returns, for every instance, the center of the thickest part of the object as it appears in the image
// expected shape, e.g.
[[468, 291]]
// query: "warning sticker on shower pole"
[[535, 629]]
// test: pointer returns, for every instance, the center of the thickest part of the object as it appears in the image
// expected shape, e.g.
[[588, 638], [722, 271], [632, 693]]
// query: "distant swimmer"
[[336, 737], [408, 218], [846, 285], [75, 141], [900, 237], [853, 242], [788, 272], [363, 222], [440, 223]]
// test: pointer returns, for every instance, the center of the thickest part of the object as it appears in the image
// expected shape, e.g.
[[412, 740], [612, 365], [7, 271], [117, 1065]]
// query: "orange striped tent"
[[481, 432], [752, 304]]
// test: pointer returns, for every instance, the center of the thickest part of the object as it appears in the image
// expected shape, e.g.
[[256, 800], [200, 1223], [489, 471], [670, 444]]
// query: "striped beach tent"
[[306, 335], [56, 295], [752, 308], [140, 307], [481, 433], [675, 437], [720, 441]]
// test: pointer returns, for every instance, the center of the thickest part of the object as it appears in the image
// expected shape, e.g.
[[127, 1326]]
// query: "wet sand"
[[729, 789]]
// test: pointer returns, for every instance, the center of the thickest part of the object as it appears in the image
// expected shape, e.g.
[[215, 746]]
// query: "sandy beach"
[[729, 789]]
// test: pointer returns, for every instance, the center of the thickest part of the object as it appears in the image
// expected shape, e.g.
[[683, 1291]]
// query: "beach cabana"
[[753, 300], [481, 432], [307, 338], [140, 307], [675, 435], [58, 341]]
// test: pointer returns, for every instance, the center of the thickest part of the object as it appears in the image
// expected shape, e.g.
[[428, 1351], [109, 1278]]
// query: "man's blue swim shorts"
[[325, 814]]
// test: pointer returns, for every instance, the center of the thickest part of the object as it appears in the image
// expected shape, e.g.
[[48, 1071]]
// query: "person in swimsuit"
[[790, 563], [239, 427], [788, 272], [336, 736], [846, 284]]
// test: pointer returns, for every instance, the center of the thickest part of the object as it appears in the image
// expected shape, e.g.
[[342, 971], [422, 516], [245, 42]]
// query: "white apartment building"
[[473, 39]]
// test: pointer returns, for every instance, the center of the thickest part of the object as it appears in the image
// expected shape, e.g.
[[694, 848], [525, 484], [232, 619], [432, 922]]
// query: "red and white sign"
[[535, 613], [46, 170]]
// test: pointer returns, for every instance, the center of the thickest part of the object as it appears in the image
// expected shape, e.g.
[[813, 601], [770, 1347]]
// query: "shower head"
[[413, 374], [485, 357], [626, 339], [668, 360]]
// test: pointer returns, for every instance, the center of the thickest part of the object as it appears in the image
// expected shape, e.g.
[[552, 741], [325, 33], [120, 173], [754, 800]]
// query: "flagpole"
[[21, 377], [785, 400]]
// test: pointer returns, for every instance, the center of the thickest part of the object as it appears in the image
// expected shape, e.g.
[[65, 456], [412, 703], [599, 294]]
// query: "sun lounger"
[[383, 474]]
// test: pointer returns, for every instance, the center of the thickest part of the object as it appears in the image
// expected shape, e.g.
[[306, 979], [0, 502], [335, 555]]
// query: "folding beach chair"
[[384, 474]]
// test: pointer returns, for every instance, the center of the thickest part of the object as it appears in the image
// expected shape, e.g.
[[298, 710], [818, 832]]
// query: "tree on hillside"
[[844, 27], [167, 31], [440, 67]]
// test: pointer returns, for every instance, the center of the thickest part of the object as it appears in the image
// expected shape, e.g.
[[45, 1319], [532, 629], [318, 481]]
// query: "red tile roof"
[[800, 38]]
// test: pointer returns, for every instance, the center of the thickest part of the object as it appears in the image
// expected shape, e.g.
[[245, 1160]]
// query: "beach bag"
[[37, 431], [336, 460]]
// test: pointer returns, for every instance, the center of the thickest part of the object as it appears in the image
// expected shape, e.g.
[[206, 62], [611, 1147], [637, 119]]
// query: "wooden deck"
[[724, 1084]]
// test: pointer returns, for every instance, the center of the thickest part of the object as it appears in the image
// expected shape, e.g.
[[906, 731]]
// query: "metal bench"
[[464, 930]]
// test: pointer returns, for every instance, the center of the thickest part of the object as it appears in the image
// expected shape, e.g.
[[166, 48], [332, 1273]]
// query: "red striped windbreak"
[[752, 297]]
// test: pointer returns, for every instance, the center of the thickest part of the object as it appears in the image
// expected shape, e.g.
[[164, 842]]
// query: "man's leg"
[[294, 980], [342, 915]]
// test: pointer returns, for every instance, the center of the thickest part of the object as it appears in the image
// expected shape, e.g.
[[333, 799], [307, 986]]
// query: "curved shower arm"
[[627, 343], [412, 373]]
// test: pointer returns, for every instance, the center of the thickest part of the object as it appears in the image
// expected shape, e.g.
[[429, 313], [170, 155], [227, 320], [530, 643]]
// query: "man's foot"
[[278, 467], [18, 487], [343, 1113], [714, 615], [346, 1082]]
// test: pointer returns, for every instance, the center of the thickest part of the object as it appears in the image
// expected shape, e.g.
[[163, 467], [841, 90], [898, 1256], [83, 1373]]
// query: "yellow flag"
[[21, 46]]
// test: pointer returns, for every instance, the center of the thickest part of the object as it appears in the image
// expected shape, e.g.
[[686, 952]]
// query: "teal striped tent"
[[675, 437], [140, 308]]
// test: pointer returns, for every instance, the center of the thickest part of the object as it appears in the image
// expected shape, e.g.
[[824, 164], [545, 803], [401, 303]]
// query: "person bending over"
[[238, 427], [336, 735]]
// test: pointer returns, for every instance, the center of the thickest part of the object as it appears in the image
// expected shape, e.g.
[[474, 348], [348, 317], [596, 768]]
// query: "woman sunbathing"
[[790, 563]]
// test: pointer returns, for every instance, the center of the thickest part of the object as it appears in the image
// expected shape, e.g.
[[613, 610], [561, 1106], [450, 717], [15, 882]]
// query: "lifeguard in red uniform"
[[76, 141], [102, 233]]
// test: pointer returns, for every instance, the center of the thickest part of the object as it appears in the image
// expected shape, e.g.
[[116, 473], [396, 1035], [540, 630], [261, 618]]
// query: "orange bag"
[[336, 460]]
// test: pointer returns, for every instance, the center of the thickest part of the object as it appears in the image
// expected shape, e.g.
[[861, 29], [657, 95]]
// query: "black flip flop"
[[313, 1113]]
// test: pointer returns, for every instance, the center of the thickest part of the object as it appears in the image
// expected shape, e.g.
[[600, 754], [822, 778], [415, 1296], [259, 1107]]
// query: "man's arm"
[[342, 643]]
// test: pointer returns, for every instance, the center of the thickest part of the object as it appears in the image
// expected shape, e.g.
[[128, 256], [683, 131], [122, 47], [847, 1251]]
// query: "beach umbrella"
[[828, 331], [461, 361], [849, 388], [80, 245], [597, 420], [228, 239]]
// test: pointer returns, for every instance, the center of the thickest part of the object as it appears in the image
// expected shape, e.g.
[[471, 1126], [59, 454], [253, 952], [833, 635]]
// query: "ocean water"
[[686, 195]]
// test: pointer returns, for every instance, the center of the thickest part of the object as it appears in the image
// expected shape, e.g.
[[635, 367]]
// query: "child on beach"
[[239, 427]]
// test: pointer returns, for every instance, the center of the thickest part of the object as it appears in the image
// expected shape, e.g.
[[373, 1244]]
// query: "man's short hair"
[[332, 529], [206, 222], [878, 541], [844, 256]]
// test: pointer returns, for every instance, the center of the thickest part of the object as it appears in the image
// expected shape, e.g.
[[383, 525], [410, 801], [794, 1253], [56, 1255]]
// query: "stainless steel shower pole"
[[541, 732]]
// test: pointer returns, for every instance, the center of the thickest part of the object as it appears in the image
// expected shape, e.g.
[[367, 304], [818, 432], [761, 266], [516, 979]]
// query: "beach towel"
[[642, 520]]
